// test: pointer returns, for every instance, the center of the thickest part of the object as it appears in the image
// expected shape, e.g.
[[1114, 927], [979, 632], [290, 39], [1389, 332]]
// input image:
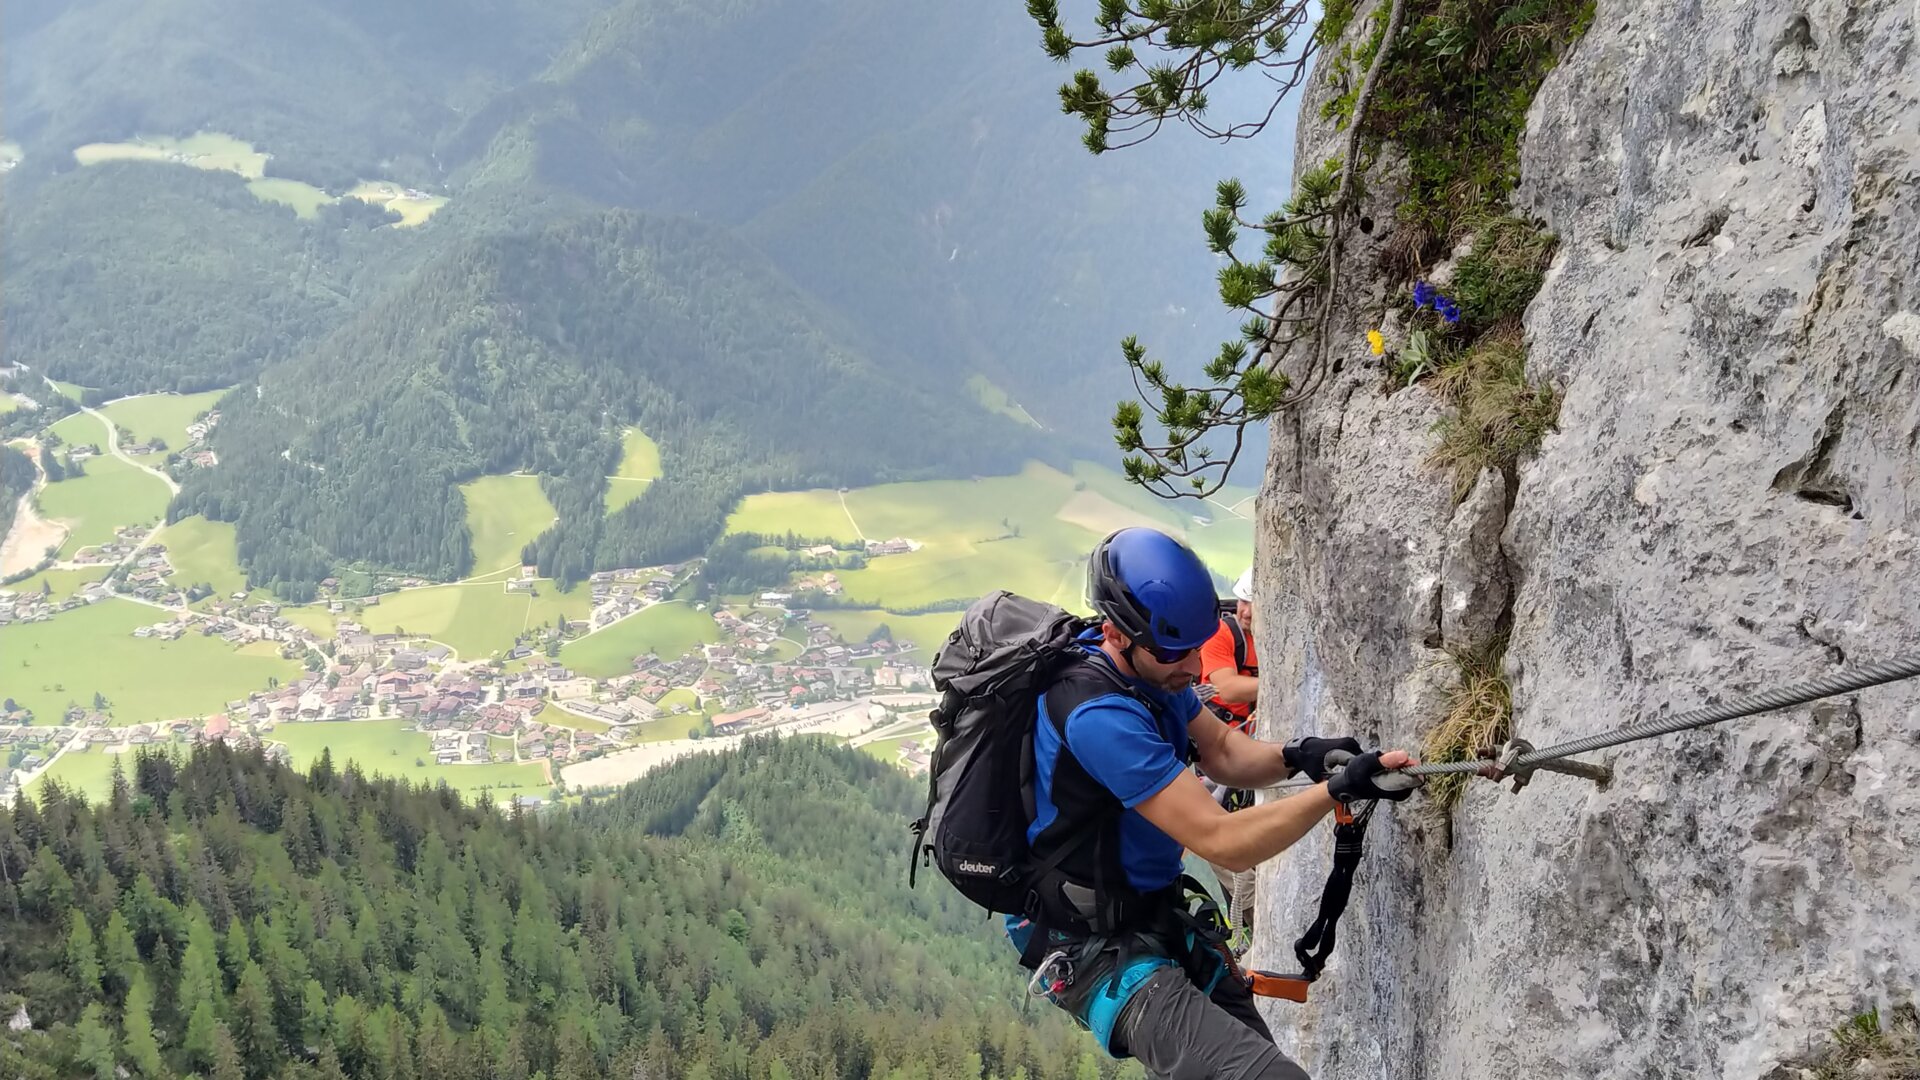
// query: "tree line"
[[740, 916]]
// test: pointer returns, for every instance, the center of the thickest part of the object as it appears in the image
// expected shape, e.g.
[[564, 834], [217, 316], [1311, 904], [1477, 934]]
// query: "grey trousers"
[[1179, 1033]]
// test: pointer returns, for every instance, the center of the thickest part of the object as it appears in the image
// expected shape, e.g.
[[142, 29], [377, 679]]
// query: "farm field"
[[621, 491], [1029, 532], [976, 535], [112, 493], [928, 632], [639, 456], [808, 513], [314, 617], [47, 666], [221, 152], [413, 211], [558, 717], [382, 748], [476, 619], [1226, 544], [505, 514], [668, 630], [639, 468], [305, 199], [204, 551], [206, 150], [89, 772], [163, 416], [79, 429], [990, 394]]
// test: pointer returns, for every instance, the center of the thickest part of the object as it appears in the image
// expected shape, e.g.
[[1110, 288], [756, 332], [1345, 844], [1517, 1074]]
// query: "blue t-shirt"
[[1131, 750]]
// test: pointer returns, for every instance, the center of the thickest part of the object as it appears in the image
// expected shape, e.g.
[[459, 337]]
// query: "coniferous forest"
[[739, 916], [817, 265]]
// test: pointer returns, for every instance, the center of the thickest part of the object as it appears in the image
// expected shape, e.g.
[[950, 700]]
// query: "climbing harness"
[[1517, 761]]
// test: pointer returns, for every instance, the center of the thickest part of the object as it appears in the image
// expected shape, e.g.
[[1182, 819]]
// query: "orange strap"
[[1268, 984]]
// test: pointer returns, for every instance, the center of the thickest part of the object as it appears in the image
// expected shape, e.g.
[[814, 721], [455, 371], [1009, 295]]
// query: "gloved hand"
[[1306, 754], [1363, 777]]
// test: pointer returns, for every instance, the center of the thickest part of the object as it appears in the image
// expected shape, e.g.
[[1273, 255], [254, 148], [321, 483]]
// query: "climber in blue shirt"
[[1112, 936]]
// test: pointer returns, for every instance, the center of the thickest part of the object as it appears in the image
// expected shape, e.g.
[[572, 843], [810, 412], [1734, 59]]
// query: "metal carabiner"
[[1040, 985]]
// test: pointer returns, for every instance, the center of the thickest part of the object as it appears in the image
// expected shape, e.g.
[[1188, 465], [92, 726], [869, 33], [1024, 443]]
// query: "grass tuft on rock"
[[1499, 415], [1870, 1046], [1479, 718], [1498, 278]]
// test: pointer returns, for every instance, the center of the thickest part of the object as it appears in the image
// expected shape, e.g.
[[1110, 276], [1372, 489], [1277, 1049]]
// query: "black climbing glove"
[[1306, 754], [1362, 778]]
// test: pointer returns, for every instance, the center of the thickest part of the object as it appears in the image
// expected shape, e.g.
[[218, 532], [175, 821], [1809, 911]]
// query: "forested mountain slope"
[[869, 230], [534, 353], [732, 917], [210, 285]]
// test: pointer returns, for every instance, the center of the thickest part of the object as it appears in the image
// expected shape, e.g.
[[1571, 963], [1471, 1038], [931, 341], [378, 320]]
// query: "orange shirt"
[[1217, 653]]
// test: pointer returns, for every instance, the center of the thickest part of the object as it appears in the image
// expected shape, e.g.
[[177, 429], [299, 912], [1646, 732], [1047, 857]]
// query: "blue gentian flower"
[[1422, 295], [1449, 310]]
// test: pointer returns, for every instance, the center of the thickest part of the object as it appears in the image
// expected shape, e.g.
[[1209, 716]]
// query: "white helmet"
[[1243, 589]]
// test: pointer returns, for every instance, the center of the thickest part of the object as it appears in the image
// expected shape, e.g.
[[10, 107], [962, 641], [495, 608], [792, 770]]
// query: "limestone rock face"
[[1731, 502]]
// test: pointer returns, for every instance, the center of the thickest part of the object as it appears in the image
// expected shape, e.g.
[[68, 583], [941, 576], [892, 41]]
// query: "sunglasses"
[[1168, 656]]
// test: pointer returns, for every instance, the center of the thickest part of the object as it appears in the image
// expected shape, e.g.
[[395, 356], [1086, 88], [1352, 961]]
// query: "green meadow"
[[204, 551], [1030, 532], [164, 416], [667, 630], [559, 717], [412, 211], [314, 617], [206, 150], [640, 456], [383, 748], [79, 429], [809, 513], [639, 467], [927, 632], [220, 152], [112, 493], [505, 514], [989, 394], [66, 660], [669, 726], [88, 772], [475, 619], [305, 199]]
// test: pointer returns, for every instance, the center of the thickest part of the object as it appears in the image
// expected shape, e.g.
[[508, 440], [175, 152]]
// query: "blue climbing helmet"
[[1155, 589]]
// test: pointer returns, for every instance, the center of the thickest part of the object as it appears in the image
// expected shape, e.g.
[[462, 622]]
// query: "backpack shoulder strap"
[[1239, 644]]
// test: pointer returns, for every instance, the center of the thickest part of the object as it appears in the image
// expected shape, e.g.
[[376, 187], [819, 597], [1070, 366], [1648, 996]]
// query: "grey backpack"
[[990, 673]]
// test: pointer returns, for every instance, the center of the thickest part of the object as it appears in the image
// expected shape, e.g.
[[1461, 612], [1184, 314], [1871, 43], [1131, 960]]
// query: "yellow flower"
[[1377, 343]]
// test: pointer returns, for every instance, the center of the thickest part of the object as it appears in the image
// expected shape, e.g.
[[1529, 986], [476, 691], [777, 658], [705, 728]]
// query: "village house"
[[730, 723]]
